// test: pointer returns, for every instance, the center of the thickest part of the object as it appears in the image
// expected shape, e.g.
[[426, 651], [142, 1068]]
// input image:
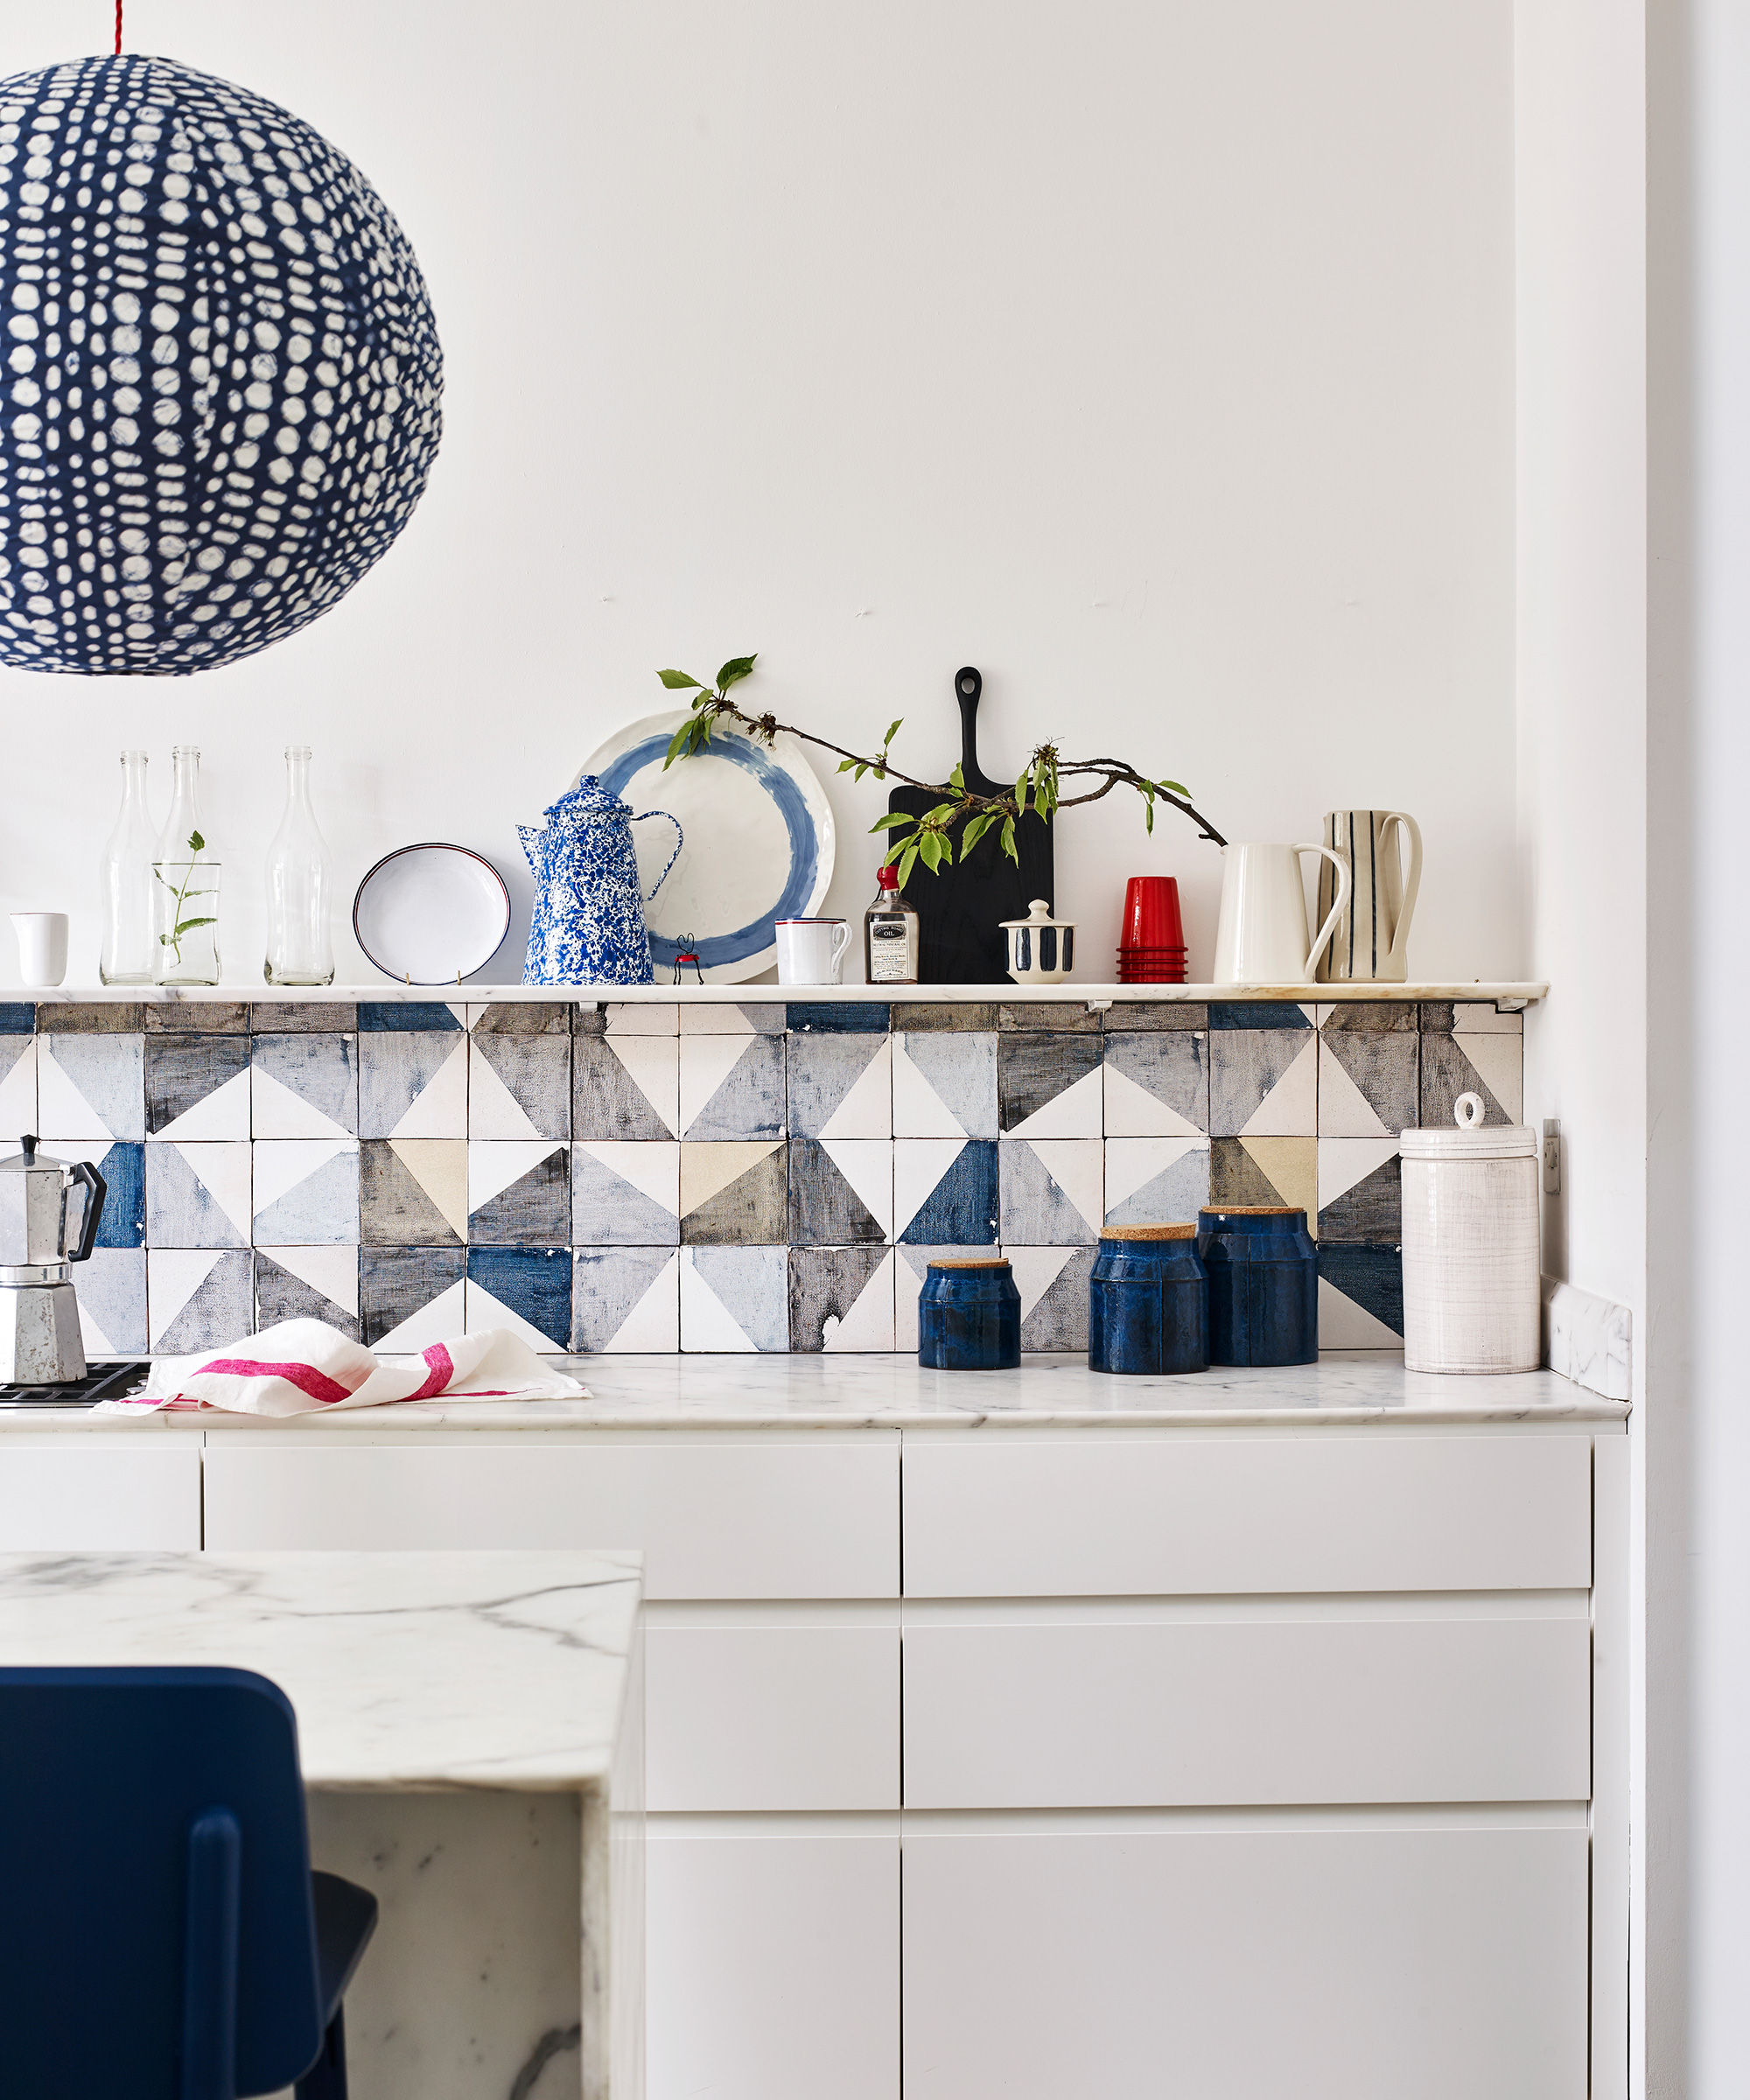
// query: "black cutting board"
[[962, 907]]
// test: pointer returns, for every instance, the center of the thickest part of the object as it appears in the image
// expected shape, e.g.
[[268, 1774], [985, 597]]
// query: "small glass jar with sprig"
[[186, 885]]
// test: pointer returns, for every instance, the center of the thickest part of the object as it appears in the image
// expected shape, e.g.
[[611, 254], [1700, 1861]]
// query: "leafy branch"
[[180, 926], [1038, 790]]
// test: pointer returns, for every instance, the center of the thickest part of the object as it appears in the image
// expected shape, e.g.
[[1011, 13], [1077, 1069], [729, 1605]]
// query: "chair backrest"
[[152, 1845]]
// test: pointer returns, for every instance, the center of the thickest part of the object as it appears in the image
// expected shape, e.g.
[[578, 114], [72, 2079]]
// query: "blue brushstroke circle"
[[760, 933]]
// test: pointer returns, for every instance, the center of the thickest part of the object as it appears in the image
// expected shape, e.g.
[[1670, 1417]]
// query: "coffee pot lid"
[[30, 1161], [589, 798]]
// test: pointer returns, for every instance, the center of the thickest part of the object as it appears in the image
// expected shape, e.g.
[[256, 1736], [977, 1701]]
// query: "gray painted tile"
[[1246, 1064], [1059, 1320], [126, 1017], [823, 1069], [1370, 1213], [396, 1208], [1372, 1017], [196, 1017], [926, 1016], [825, 1210], [394, 1282], [1171, 1065], [183, 1070], [298, 1017], [612, 1285], [749, 1208], [828, 1286], [958, 1068], [1038, 1208], [106, 1070], [1382, 1065], [111, 1290], [1047, 1019], [1131, 1017], [610, 1210], [280, 1295], [321, 1070], [749, 1101], [1446, 1073], [749, 1283], [320, 1208], [510, 1017], [221, 1309], [533, 1210], [184, 1186], [1155, 1180], [395, 1066], [533, 1068], [607, 1101], [1033, 1069]]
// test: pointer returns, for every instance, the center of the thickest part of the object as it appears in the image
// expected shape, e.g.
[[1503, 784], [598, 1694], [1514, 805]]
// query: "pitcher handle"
[[1412, 882], [680, 841], [1336, 912]]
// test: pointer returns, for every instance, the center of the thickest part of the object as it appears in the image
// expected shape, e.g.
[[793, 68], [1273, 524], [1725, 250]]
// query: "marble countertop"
[[798, 1392], [408, 1671]]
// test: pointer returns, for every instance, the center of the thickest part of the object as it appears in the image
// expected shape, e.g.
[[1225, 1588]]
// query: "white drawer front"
[[1120, 1516], [773, 1966], [1135, 1715], [1353, 1964], [761, 1520], [745, 1718], [96, 1497]]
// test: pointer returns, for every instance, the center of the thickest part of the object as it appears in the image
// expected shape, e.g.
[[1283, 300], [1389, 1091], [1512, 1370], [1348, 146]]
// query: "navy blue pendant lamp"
[[220, 374]]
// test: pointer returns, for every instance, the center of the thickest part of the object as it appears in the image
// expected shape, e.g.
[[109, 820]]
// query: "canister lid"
[[990, 1261], [1471, 1138], [1148, 1232]]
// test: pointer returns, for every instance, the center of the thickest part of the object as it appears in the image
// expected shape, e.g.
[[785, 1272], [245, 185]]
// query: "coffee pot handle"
[[680, 841], [95, 1189], [1337, 909], [1412, 882]]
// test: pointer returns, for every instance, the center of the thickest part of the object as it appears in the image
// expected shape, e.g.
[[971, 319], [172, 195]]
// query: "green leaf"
[[940, 815], [929, 851], [893, 731], [1021, 792], [845, 765], [678, 745], [908, 862], [735, 670], [893, 816], [1173, 788], [975, 828], [1148, 817], [1009, 839], [880, 773], [677, 681], [196, 843], [957, 779], [861, 767], [188, 926]]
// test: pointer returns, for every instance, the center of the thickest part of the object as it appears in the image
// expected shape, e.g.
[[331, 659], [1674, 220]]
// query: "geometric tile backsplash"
[[762, 1177]]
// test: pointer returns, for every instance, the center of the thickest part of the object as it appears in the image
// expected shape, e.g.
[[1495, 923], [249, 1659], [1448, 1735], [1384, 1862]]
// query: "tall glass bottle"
[[125, 876], [300, 887], [186, 885]]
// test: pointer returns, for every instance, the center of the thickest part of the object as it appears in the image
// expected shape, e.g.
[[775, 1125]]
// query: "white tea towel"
[[304, 1365]]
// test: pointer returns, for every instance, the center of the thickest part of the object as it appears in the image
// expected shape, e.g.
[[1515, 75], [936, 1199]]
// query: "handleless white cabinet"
[[1031, 1759]]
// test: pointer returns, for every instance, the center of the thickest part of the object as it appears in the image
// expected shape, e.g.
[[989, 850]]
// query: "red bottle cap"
[[887, 879]]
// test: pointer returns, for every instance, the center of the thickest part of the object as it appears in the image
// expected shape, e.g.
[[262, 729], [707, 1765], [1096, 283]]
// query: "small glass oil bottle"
[[890, 934]]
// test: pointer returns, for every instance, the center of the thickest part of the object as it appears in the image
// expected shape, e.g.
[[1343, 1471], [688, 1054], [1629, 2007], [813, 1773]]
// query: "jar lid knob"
[[1467, 1111]]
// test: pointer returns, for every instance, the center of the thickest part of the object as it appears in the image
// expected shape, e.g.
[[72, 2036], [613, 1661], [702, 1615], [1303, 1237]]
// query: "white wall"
[[1159, 359], [1698, 1425], [1582, 697]]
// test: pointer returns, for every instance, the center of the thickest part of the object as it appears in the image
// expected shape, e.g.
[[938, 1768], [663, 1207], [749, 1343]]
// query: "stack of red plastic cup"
[[1152, 935]]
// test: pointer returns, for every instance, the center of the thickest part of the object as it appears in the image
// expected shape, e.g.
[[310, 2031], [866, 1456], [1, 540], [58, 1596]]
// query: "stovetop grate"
[[102, 1381]]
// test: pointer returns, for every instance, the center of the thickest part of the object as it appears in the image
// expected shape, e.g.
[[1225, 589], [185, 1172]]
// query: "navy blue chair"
[[161, 1936]]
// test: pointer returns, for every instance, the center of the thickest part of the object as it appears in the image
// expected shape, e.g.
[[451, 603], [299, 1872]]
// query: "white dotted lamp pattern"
[[219, 373]]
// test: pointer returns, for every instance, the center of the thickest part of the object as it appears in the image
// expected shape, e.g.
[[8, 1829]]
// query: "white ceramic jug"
[[1261, 936]]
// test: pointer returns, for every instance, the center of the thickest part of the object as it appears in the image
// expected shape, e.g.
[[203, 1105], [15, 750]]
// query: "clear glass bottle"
[[185, 887], [129, 948], [890, 934], [300, 887]]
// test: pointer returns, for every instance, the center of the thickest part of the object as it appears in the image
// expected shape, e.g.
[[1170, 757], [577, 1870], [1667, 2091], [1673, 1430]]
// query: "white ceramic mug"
[[42, 946], [1261, 936], [810, 950]]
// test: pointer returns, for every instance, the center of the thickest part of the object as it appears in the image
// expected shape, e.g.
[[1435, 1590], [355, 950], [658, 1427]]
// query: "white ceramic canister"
[[1471, 1296]]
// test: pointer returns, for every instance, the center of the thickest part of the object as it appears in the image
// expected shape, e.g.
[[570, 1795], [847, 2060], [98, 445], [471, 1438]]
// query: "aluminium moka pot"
[[39, 1342]]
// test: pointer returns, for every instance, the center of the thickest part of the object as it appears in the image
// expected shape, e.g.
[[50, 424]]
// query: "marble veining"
[[794, 1392], [470, 1725], [1587, 1338]]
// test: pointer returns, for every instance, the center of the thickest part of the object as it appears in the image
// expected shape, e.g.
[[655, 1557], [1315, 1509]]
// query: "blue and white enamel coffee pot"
[[588, 926]]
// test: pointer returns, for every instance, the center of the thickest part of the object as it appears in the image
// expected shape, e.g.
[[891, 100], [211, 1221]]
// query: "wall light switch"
[[1553, 1156]]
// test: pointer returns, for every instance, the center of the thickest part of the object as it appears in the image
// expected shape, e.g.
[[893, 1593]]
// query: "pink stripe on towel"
[[440, 1370], [304, 1377]]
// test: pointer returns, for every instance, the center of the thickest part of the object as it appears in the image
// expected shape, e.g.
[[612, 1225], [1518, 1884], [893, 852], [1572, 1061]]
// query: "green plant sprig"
[[180, 926], [1038, 790]]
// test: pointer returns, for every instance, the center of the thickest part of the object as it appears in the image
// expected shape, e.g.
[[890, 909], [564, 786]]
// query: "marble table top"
[[798, 1392], [409, 1672]]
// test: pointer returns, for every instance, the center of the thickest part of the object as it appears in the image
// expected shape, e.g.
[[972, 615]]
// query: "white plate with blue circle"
[[758, 847]]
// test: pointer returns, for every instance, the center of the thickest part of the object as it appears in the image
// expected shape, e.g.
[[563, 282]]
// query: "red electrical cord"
[[118, 28]]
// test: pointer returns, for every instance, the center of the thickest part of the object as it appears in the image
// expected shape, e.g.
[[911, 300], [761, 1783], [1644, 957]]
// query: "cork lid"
[[988, 1261], [1252, 1210], [1148, 1232]]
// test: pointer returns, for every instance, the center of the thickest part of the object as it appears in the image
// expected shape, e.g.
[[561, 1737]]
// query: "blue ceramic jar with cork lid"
[[1263, 1285], [1148, 1302], [969, 1316]]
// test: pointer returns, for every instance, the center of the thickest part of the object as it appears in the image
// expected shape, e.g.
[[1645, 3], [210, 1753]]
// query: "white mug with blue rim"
[[810, 950]]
